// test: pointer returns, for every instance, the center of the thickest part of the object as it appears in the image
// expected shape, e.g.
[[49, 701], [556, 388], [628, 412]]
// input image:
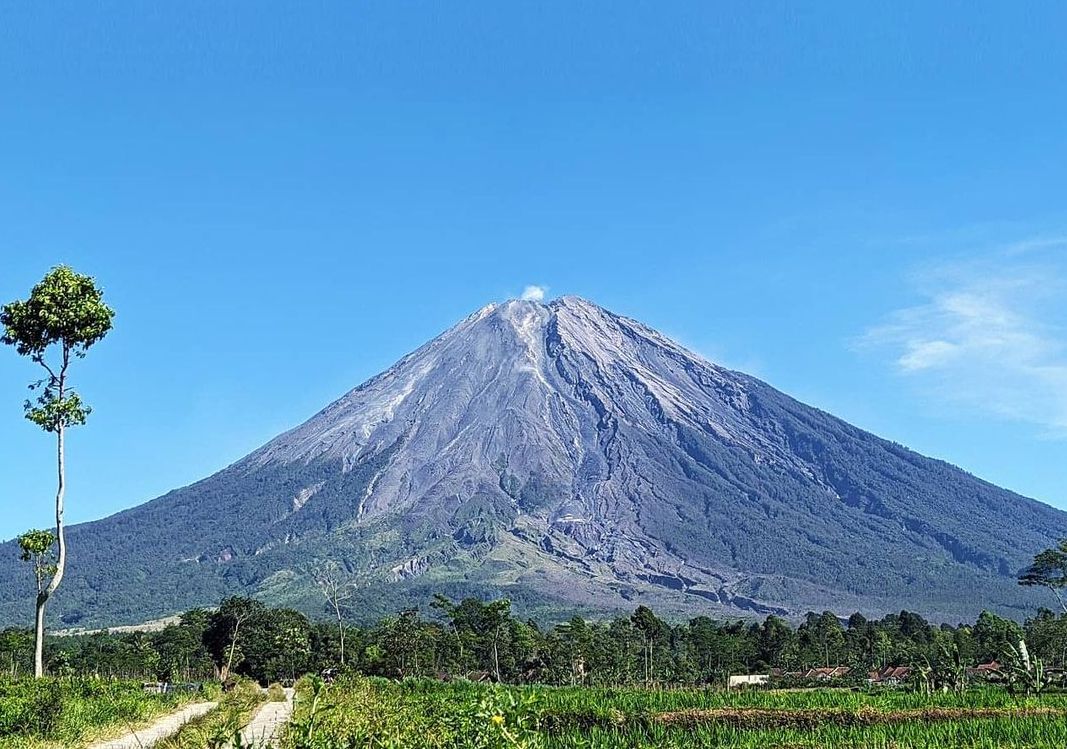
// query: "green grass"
[[636, 702], [377, 713], [71, 712], [1036, 733]]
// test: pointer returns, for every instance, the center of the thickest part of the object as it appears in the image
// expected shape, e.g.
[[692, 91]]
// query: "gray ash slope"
[[574, 460]]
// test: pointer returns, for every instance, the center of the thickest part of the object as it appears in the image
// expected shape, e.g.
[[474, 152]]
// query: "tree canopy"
[[65, 310], [1050, 570], [480, 639]]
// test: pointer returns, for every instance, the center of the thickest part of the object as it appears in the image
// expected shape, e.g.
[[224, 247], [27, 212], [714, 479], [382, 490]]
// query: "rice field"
[[361, 712]]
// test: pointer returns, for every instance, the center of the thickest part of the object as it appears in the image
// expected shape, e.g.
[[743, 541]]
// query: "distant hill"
[[574, 460]]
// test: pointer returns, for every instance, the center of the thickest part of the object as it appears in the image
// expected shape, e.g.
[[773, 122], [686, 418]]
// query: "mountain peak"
[[563, 301], [572, 300], [558, 453]]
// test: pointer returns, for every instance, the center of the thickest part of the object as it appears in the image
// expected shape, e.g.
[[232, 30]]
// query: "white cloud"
[[923, 354], [534, 293], [1036, 244], [989, 336]]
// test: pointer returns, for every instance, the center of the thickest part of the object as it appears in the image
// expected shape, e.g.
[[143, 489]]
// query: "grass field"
[[65, 713], [378, 713]]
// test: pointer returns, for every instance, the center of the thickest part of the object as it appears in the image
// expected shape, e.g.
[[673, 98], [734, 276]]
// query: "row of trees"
[[478, 639]]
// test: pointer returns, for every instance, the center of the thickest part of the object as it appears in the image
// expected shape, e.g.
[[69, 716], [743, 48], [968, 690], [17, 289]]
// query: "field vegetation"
[[372, 712], [58, 713], [472, 674]]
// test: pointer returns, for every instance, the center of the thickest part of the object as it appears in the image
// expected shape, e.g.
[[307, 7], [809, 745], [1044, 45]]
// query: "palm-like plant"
[[1023, 671]]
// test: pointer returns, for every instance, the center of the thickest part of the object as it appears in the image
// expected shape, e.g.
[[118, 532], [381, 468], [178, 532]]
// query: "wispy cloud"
[[1036, 244], [989, 335], [534, 293]]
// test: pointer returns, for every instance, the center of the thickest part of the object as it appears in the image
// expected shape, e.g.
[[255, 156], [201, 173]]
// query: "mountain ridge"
[[576, 460]]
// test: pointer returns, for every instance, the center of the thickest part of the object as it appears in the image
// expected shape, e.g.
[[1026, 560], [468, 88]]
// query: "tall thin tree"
[[63, 317], [336, 587]]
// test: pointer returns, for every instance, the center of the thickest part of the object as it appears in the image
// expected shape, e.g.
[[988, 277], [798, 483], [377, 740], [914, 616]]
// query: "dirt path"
[[161, 729], [265, 728]]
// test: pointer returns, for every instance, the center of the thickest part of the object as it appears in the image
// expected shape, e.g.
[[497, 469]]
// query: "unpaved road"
[[157, 731], [266, 726]]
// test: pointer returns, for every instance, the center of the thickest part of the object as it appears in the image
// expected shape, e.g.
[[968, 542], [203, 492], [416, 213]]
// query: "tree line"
[[479, 639]]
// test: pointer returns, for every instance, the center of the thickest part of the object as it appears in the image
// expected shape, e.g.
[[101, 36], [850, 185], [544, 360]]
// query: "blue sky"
[[862, 204]]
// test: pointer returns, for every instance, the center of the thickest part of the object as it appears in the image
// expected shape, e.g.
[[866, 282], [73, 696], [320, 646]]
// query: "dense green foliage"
[[62, 712], [484, 640], [177, 653]]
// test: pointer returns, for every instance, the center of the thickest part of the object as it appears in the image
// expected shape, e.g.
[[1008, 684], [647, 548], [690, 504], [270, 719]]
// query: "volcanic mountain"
[[575, 461]]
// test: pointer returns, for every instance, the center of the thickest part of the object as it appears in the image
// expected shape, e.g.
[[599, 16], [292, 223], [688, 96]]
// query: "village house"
[[989, 670], [826, 672], [890, 675], [748, 680]]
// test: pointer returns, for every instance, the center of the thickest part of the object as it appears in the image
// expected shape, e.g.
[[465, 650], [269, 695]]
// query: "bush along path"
[[161, 729], [265, 729]]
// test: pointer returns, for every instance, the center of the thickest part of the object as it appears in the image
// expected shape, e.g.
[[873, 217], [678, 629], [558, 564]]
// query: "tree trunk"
[[1063, 604], [233, 647], [647, 653], [340, 630], [61, 557], [496, 658], [38, 639]]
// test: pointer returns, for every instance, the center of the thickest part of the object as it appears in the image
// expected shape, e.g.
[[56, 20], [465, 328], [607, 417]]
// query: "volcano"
[[575, 461]]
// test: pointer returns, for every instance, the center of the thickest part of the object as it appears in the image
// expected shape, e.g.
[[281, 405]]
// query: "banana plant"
[[1022, 671]]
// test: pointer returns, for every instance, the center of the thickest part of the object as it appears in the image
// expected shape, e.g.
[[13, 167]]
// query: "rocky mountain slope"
[[574, 460]]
